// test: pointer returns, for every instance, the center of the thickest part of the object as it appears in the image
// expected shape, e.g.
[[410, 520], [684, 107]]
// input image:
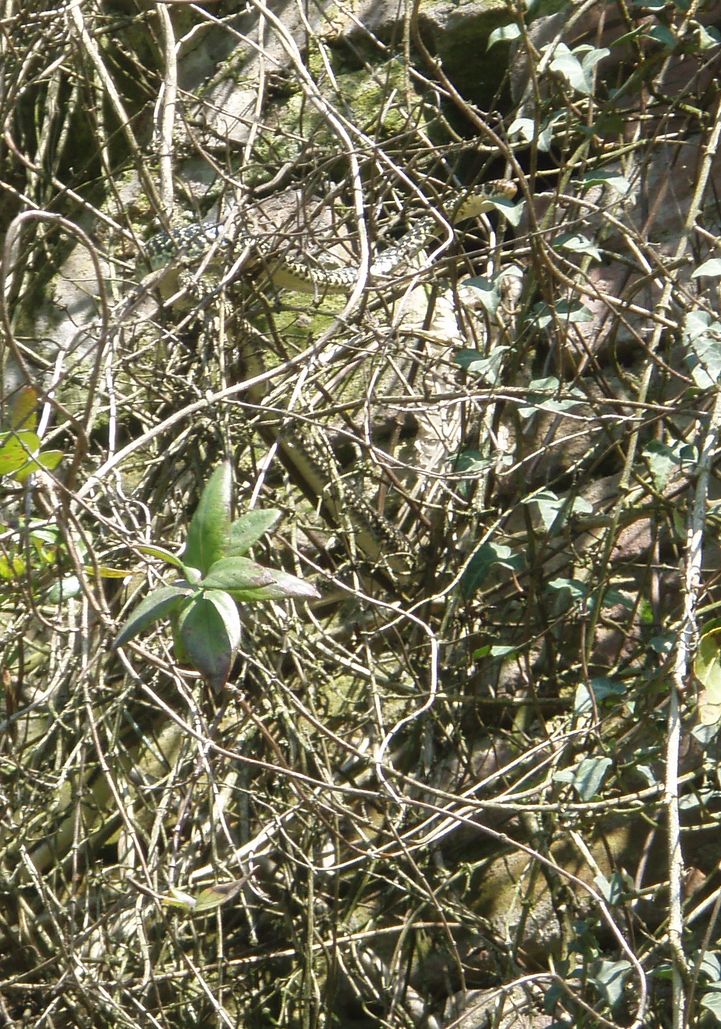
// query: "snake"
[[192, 242], [381, 544]]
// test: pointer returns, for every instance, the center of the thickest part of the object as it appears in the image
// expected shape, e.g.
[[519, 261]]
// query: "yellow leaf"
[[707, 668], [23, 406]]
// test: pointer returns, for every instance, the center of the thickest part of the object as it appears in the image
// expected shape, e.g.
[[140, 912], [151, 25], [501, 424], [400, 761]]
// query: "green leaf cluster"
[[202, 604], [20, 445]]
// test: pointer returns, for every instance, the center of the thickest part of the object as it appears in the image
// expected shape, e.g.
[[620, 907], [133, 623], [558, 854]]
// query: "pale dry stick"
[[686, 638], [380, 767], [507, 841], [187, 412], [283, 771], [346, 129], [367, 144], [10, 244], [252, 848], [499, 837], [685, 646], [714, 902], [220, 1011], [263, 60], [419, 836], [337, 124], [77, 21], [507, 988], [330, 115], [50, 140], [167, 101], [72, 967], [108, 775]]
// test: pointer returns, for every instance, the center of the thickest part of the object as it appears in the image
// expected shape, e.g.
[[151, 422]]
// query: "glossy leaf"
[[162, 554], [23, 406], [45, 461], [214, 896], [504, 34], [209, 628], [246, 531], [614, 180], [245, 580], [488, 367], [207, 900], [711, 269], [602, 689], [209, 532], [609, 978], [665, 459], [702, 340], [707, 669], [15, 450], [577, 66], [589, 775], [711, 1000], [106, 572], [12, 568], [577, 243], [64, 589], [158, 604], [484, 559], [487, 292]]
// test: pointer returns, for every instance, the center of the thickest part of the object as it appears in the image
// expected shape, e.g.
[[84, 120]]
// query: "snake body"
[[192, 242], [376, 538]]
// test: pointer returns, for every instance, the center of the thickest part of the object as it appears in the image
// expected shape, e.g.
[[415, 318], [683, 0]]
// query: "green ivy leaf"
[[46, 460], [601, 688], [577, 243], [711, 966], [577, 66], [587, 776], [64, 589], [209, 532], [564, 311], [552, 509], [524, 128], [711, 269], [612, 890], [504, 34], [486, 557], [666, 458], [711, 1000], [590, 775], [486, 368], [702, 339], [609, 977], [487, 291], [13, 567], [707, 669], [662, 34], [708, 36], [614, 180], [512, 210], [543, 395]]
